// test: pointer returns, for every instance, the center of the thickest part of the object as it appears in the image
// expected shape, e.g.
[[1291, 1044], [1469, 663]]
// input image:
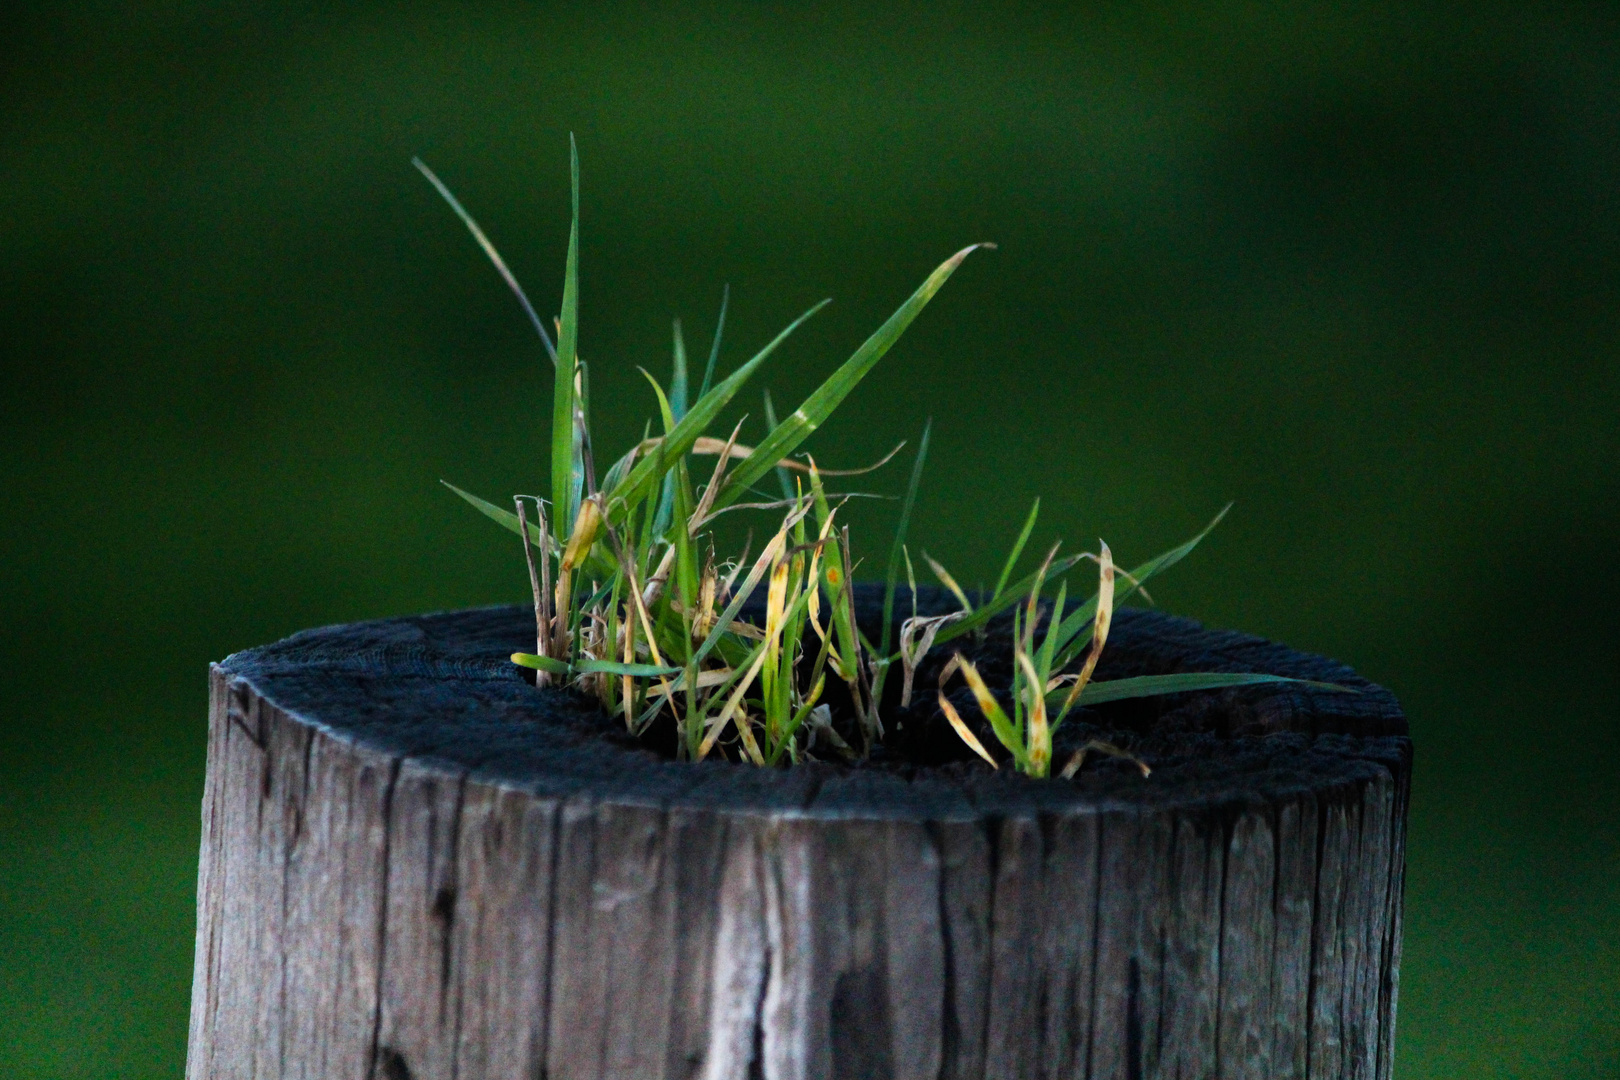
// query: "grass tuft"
[[634, 604]]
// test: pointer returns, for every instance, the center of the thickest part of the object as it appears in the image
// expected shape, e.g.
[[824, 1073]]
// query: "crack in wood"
[[382, 923]]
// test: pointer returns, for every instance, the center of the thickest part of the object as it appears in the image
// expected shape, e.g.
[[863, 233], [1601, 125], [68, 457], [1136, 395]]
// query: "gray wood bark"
[[414, 865]]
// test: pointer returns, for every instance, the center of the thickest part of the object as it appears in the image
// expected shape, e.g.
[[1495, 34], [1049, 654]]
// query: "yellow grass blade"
[[999, 722], [1099, 633], [1032, 613], [718, 724], [1040, 735], [745, 728], [708, 444], [949, 582], [775, 605], [655, 584], [701, 513], [962, 729], [767, 558], [706, 679], [586, 528], [705, 603], [542, 619], [1101, 747]]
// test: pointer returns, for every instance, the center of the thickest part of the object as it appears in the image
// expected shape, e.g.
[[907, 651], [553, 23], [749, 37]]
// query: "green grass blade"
[[1160, 563], [666, 410], [616, 474], [501, 517], [651, 468], [1015, 592], [1017, 550], [749, 583], [950, 583], [1078, 621], [1006, 730], [892, 577], [548, 664], [562, 400], [666, 498], [785, 739], [1097, 693], [1075, 633], [686, 568], [741, 666], [494, 256], [1018, 676], [787, 436], [782, 476], [1050, 642], [613, 667], [714, 350], [580, 446], [677, 382]]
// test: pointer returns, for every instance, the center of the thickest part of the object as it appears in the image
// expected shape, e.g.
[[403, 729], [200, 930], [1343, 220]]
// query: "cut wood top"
[[439, 689]]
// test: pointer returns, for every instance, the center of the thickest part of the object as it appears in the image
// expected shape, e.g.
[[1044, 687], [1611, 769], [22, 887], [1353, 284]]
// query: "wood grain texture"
[[414, 865]]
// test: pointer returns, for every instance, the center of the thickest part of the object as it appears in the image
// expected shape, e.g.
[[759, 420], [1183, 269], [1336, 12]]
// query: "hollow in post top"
[[439, 689]]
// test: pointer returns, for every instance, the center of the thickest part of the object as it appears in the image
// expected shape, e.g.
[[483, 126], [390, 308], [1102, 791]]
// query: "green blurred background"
[[1353, 266]]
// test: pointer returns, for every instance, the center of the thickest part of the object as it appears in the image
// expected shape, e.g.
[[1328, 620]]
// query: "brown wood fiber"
[[415, 866]]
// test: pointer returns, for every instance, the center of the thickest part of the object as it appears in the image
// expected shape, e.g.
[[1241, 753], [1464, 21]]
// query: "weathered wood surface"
[[416, 866]]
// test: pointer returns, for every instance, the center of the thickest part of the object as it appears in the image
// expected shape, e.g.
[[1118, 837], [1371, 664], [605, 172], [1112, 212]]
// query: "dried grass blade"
[[949, 582], [718, 724], [897, 549], [873, 723], [775, 608], [627, 685], [700, 514], [655, 584], [913, 648], [1101, 747], [629, 567], [1100, 625], [964, 731], [540, 619], [706, 445], [1032, 613], [704, 617], [1040, 734], [706, 679], [777, 545]]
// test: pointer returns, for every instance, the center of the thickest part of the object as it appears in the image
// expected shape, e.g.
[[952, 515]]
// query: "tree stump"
[[415, 865]]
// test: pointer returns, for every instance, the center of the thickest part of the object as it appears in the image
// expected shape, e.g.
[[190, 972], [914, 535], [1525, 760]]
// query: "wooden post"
[[415, 865]]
